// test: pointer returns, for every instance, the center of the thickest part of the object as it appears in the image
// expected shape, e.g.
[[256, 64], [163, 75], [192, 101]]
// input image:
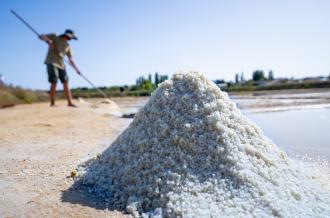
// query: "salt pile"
[[191, 153], [106, 103], [82, 101]]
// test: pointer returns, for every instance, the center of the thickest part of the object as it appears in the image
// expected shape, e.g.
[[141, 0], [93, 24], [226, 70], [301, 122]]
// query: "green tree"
[[143, 83], [160, 78], [163, 78], [270, 75], [140, 80], [156, 79], [258, 75], [219, 81], [147, 85], [236, 78], [242, 77]]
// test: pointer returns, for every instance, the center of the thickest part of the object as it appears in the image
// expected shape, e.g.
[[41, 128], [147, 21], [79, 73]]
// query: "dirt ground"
[[40, 146]]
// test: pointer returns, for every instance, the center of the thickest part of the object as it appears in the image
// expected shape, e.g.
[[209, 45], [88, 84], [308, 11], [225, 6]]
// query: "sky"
[[120, 40]]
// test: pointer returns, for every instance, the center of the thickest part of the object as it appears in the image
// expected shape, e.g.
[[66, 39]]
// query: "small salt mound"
[[191, 153], [106, 103], [82, 101]]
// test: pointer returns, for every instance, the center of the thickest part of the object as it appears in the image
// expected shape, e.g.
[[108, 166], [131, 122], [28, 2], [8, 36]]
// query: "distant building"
[[315, 79], [262, 83], [222, 85]]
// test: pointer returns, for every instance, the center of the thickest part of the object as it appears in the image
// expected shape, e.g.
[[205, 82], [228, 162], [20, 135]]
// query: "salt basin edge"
[[190, 152]]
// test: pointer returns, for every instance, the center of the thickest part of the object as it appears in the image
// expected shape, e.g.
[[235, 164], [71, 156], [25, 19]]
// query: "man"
[[58, 48]]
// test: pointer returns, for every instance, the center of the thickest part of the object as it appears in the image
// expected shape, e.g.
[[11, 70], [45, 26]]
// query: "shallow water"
[[303, 133]]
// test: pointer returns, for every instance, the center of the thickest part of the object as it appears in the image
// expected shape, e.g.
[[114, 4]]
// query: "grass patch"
[[17, 95]]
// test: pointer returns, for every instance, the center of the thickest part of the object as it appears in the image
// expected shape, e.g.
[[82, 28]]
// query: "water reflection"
[[302, 132]]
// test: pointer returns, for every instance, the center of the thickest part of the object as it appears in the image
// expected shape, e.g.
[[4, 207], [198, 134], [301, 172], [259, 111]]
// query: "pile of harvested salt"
[[105, 103], [82, 101], [190, 152]]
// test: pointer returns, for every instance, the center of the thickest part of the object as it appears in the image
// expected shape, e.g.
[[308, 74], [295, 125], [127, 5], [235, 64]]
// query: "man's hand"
[[46, 39]]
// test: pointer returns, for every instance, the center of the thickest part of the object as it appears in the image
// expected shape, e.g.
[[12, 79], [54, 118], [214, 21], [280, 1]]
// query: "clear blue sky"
[[121, 40]]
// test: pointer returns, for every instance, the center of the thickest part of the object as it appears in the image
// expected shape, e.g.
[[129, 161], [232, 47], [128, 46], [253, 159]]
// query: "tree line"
[[257, 75], [148, 83]]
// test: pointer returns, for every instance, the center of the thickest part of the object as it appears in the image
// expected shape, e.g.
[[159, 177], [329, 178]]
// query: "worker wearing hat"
[[58, 49]]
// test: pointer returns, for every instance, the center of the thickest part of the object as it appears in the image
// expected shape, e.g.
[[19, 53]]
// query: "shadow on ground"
[[80, 194]]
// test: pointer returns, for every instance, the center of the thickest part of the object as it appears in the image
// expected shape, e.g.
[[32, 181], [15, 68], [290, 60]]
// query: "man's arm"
[[73, 65], [47, 39]]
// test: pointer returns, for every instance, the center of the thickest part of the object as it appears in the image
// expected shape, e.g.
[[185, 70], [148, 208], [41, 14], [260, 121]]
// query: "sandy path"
[[39, 147]]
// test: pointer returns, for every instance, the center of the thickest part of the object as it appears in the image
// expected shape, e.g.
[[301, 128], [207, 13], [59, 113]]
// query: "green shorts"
[[54, 73]]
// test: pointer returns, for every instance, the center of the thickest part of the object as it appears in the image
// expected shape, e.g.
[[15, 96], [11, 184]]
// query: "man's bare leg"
[[68, 95], [52, 94]]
